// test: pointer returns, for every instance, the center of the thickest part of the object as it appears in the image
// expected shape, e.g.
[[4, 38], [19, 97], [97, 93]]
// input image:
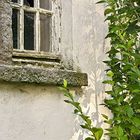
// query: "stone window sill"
[[33, 58], [40, 68], [39, 75]]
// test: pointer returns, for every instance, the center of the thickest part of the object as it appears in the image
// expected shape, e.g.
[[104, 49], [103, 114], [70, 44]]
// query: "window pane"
[[44, 4], [28, 31], [15, 28], [15, 1], [29, 3], [45, 32]]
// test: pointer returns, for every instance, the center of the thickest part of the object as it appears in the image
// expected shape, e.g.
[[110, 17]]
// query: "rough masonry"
[[5, 32]]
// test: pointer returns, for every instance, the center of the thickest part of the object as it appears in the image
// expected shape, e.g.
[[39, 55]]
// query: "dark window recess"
[[15, 28], [15, 1], [29, 3], [44, 32], [28, 31]]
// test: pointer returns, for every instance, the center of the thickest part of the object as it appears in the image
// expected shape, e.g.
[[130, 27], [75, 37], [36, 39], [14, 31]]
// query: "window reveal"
[[28, 31], [44, 32], [31, 25], [44, 4], [14, 0], [29, 3], [15, 27]]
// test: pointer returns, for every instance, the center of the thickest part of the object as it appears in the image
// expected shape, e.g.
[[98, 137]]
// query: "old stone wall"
[[35, 112], [5, 32]]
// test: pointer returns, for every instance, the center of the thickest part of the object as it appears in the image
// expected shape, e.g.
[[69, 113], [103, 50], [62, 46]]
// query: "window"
[[31, 28], [31, 21]]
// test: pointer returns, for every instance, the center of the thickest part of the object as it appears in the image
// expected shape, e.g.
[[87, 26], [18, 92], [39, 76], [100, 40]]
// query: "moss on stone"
[[47, 76]]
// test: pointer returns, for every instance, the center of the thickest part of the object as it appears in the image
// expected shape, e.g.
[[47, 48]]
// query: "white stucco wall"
[[33, 112], [89, 47]]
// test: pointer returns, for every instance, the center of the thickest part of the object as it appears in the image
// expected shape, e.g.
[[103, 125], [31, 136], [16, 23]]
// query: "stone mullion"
[[21, 27], [37, 26]]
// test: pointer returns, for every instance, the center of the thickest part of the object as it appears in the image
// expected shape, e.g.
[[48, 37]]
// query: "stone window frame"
[[36, 56], [37, 11], [48, 73]]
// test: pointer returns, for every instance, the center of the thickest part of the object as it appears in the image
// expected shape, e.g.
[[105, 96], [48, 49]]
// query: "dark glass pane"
[[44, 4], [29, 3], [15, 1], [15, 28], [28, 31], [44, 32]]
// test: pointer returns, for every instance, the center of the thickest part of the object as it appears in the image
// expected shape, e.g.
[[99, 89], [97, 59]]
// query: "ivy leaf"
[[76, 104], [111, 18], [109, 92], [111, 102], [133, 27], [110, 74], [108, 11], [86, 127], [122, 10], [136, 91], [121, 47], [123, 137], [136, 70], [109, 121], [76, 111], [101, 1], [130, 43], [129, 111], [67, 101], [135, 130], [65, 84], [120, 131], [106, 117], [98, 132], [137, 58], [89, 138], [66, 95], [86, 119], [136, 121], [111, 35], [108, 82]]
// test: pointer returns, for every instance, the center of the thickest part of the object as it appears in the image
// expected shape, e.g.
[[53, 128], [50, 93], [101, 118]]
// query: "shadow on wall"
[[89, 59], [91, 98]]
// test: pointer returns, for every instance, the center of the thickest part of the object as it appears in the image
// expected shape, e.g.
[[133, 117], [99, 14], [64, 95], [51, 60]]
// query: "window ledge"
[[41, 59], [39, 75], [43, 56]]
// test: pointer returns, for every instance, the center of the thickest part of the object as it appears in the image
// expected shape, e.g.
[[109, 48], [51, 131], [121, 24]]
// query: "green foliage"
[[123, 17], [95, 133]]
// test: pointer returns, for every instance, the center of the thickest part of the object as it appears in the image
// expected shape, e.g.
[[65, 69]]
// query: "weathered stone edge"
[[45, 76]]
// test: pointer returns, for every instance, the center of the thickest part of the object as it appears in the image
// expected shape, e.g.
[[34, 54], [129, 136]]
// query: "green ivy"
[[94, 132], [123, 17]]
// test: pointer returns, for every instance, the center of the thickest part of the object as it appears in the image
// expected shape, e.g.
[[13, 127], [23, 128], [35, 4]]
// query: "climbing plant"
[[123, 18], [95, 133]]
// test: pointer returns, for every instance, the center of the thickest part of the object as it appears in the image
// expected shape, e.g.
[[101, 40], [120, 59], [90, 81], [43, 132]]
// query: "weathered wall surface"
[[89, 47], [33, 112], [5, 32]]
